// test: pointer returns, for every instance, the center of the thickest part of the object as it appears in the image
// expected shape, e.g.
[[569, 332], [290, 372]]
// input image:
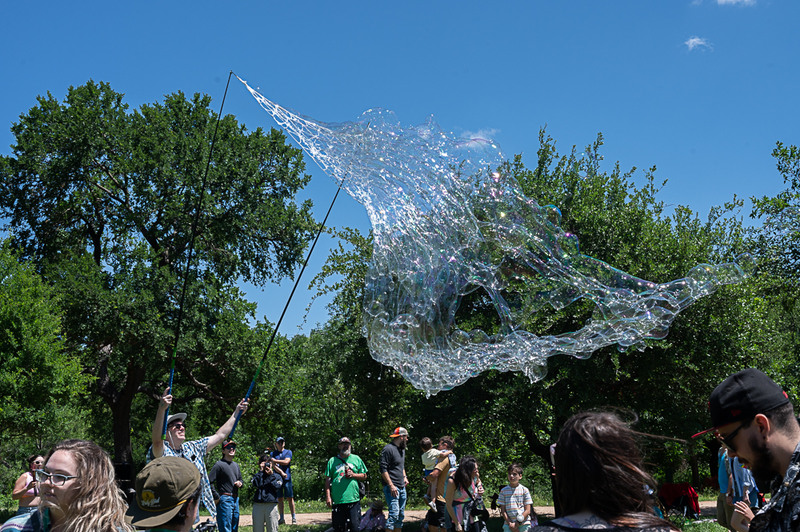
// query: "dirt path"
[[707, 509]]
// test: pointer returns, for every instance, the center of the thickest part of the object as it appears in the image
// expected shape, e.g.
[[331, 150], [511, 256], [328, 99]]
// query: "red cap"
[[399, 431]]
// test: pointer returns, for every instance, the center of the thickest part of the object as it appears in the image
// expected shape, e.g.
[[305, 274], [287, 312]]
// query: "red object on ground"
[[678, 495]]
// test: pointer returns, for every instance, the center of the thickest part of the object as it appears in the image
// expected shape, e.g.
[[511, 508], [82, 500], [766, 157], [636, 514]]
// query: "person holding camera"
[[267, 482]]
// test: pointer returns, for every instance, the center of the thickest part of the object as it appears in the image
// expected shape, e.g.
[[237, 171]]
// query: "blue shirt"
[[723, 472], [743, 481], [283, 455]]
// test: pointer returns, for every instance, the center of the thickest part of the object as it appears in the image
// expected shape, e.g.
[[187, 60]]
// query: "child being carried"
[[430, 457]]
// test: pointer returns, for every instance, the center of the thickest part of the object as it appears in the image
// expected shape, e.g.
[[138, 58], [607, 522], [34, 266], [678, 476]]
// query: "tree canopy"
[[102, 199]]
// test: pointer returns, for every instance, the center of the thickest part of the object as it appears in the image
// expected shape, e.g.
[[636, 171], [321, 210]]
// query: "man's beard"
[[402, 445], [345, 452], [762, 467]]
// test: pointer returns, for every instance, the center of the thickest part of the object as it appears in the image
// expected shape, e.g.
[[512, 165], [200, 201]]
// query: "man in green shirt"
[[342, 475]]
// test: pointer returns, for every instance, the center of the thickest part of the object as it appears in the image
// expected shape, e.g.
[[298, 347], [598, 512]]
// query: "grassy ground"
[[703, 526], [294, 528], [495, 524], [312, 507]]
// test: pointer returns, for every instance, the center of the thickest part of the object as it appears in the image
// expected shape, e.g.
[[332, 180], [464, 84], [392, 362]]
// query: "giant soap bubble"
[[446, 223]]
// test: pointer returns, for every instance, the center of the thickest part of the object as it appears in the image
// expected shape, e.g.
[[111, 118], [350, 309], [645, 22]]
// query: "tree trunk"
[[695, 466], [120, 402], [542, 450], [713, 461]]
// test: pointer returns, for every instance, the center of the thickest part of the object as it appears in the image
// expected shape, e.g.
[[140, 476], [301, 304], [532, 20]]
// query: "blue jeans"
[[228, 513], [397, 507]]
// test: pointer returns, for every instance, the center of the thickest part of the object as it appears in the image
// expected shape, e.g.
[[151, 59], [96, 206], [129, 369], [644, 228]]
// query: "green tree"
[[103, 200], [39, 379], [627, 227], [777, 244], [37, 374]]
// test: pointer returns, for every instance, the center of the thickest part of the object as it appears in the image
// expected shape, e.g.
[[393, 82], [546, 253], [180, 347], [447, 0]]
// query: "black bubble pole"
[[285, 308], [195, 222]]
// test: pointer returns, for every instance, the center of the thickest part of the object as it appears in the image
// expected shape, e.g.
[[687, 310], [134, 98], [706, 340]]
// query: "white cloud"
[[727, 2], [486, 134], [697, 42]]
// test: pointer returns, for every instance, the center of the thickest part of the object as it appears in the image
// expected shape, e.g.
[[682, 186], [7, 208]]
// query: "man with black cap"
[[167, 495], [175, 443], [226, 479], [755, 420], [342, 494]]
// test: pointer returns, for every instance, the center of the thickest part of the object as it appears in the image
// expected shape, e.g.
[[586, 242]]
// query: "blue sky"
[[701, 89]]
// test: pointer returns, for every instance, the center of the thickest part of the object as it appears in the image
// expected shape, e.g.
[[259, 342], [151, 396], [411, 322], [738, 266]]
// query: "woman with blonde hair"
[[78, 493]]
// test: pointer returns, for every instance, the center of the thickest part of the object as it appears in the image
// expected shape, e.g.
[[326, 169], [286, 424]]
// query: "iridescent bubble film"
[[445, 224]]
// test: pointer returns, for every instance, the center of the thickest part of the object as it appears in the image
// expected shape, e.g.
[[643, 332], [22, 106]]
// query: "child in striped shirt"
[[516, 503]]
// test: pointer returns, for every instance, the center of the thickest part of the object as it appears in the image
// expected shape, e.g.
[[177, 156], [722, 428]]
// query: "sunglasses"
[[727, 441], [56, 479], [178, 426]]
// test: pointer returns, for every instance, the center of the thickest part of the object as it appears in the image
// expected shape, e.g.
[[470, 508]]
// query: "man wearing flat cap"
[[342, 475], [167, 495], [175, 444], [755, 420]]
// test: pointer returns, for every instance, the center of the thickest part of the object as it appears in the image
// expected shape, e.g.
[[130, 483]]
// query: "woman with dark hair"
[[600, 478], [78, 493], [26, 488], [463, 487]]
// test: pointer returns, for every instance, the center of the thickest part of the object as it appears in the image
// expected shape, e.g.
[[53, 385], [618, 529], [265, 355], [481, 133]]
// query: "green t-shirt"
[[344, 490]]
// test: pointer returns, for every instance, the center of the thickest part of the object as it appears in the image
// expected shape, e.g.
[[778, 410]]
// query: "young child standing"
[[430, 457], [516, 503]]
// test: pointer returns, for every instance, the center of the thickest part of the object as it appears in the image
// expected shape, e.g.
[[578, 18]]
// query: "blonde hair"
[[98, 505]]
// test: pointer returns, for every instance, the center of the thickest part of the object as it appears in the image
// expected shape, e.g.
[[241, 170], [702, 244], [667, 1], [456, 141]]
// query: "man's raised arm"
[[226, 429], [158, 424]]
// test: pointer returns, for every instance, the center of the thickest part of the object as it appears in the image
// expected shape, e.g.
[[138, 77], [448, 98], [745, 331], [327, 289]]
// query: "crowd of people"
[[600, 478]]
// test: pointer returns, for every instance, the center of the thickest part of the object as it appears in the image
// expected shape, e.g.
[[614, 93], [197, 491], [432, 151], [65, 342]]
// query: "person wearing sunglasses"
[[175, 444], [754, 419], [78, 493], [226, 479], [26, 489]]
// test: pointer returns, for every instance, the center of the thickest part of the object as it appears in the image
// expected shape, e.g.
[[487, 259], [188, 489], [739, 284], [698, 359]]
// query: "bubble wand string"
[[291, 294], [195, 221], [285, 308]]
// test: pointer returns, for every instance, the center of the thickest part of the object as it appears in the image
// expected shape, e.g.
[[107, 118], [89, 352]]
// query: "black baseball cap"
[[741, 396]]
